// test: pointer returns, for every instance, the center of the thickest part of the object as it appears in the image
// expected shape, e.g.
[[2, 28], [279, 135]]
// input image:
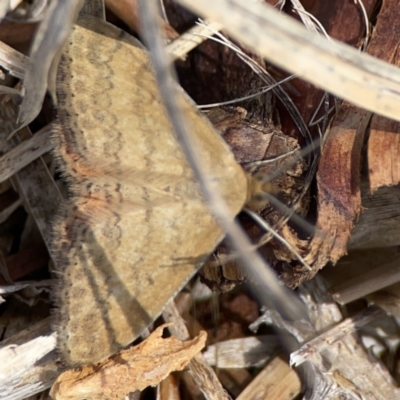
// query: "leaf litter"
[[341, 380]]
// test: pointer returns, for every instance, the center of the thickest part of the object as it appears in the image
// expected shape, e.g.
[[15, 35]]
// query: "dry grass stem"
[[337, 68]]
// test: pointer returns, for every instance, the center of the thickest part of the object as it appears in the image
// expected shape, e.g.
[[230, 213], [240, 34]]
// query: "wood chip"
[[141, 366], [277, 381], [204, 376], [243, 352]]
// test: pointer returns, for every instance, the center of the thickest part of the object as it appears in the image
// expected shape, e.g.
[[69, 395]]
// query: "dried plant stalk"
[[335, 67]]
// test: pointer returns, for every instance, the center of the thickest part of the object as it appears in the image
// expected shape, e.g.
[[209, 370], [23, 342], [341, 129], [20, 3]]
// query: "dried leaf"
[[141, 366]]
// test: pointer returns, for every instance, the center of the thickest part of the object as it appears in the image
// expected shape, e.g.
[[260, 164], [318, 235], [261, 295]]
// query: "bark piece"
[[339, 195], [141, 366], [15, 62], [204, 376], [367, 283], [384, 140], [127, 10], [384, 152], [379, 224]]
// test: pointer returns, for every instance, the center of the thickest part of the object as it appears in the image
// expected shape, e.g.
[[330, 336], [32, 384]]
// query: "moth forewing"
[[125, 245]]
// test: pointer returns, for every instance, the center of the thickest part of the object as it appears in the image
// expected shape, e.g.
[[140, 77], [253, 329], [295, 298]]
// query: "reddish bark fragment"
[[339, 170], [383, 153], [383, 145]]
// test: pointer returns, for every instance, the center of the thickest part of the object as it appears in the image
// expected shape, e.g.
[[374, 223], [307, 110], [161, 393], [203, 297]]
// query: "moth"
[[135, 227]]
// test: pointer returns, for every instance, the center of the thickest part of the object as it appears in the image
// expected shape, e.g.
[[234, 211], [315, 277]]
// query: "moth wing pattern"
[[123, 244]]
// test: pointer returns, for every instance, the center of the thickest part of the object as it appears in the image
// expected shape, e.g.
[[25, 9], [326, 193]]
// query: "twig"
[[369, 282], [12, 60], [181, 46], [323, 341], [23, 154]]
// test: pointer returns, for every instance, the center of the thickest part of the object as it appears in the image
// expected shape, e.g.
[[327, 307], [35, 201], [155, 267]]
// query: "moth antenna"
[[265, 225], [290, 214]]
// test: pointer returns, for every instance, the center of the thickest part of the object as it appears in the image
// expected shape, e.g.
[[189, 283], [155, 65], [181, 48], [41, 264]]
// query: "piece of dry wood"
[[338, 177], [339, 197], [17, 34], [243, 352], [379, 223], [13, 61], [140, 366], [127, 10], [383, 144], [344, 367], [24, 153], [23, 364], [277, 381], [384, 148], [355, 265], [168, 389], [204, 376], [321, 342], [367, 283], [34, 183], [27, 371], [181, 46]]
